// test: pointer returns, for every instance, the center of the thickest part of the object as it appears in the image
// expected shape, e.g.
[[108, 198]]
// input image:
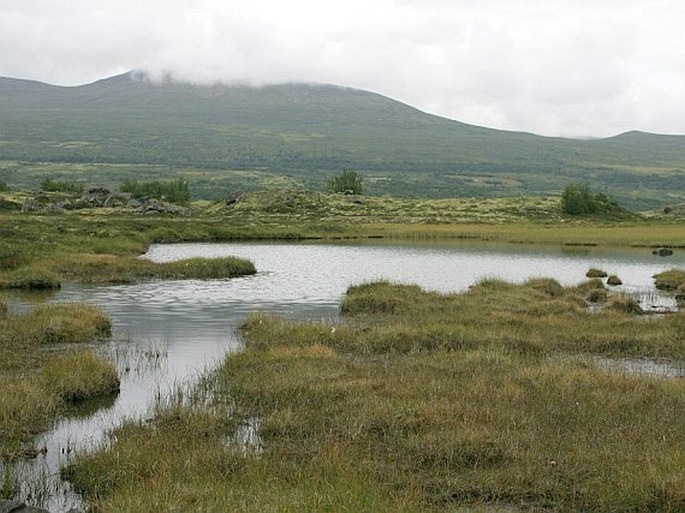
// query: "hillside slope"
[[309, 132]]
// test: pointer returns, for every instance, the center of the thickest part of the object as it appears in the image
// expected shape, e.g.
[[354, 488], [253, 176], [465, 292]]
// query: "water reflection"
[[168, 333]]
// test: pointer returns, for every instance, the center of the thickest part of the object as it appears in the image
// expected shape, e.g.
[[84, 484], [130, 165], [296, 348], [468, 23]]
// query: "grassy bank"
[[481, 401], [40, 250], [38, 381]]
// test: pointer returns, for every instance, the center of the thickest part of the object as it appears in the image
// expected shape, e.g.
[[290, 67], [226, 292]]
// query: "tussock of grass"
[[64, 323], [117, 269], [614, 280], [670, 280], [31, 277], [26, 407], [36, 384], [78, 376], [434, 403], [596, 273]]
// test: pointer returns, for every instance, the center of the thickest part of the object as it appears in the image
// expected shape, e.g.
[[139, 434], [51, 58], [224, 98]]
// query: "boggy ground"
[[102, 244], [418, 402], [483, 401], [44, 368]]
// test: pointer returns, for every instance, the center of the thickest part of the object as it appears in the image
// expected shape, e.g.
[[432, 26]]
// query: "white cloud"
[[564, 67]]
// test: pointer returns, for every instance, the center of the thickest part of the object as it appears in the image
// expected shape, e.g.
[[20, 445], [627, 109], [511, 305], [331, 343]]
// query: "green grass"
[[481, 401], [30, 277]]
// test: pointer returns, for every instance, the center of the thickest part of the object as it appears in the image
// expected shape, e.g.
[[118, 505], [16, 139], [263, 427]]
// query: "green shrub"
[[347, 181], [578, 199], [175, 191], [49, 185], [3, 186], [547, 286]]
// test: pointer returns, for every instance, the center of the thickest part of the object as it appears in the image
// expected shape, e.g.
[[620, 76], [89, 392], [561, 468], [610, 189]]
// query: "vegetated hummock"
[[36, 383], [227, 138], [481, 401]]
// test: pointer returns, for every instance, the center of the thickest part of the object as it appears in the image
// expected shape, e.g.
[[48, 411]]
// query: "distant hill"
[[229, 137]]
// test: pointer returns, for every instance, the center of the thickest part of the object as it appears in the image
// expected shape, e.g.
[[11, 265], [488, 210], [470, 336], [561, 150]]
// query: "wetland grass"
[[30, 278], [129, 269], [673, 279], [614, 280], [36, 381], [420, 402]]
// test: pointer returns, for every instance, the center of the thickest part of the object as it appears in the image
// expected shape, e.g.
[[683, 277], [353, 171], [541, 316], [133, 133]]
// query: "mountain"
[[232, 136]]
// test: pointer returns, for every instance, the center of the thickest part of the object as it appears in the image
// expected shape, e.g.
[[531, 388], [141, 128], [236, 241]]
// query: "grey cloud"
[[564, 67]]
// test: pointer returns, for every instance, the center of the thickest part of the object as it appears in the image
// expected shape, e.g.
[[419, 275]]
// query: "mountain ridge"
[[307, 132]]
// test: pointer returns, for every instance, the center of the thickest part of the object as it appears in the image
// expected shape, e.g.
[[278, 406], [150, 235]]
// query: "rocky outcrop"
[[662, 252], [99, 197], [18, 507]]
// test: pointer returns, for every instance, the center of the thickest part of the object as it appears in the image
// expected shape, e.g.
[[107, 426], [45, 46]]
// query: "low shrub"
[[50, 185]]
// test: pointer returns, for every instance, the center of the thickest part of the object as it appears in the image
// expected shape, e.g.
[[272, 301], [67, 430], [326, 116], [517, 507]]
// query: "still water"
[[168, 333]]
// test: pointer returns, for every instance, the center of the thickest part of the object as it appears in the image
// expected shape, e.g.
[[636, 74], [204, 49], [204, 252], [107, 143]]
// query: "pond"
[[168, 333]]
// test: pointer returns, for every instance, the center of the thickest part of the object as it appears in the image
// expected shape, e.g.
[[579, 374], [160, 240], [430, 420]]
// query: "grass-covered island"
[[495, 399]]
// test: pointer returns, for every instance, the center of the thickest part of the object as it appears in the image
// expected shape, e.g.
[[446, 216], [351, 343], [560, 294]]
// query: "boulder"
[[18, 507], [152, 206], [662, 252], [97, 196]]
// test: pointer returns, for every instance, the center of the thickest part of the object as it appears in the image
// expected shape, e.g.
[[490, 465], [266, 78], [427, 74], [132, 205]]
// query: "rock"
[[18, 507], [662, 252], [97, 196], [152, 206], [235, 198]]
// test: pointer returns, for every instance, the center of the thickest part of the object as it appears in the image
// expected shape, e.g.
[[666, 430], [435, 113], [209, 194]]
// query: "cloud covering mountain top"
[[560, 67]]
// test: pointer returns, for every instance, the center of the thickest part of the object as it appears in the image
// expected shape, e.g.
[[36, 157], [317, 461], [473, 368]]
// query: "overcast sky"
[[553, 67]]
